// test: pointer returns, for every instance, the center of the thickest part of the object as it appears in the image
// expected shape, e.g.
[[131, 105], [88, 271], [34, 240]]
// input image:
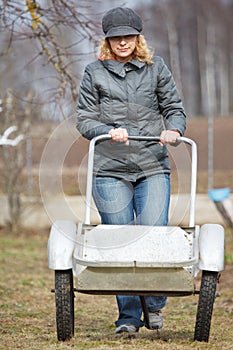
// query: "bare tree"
[[14, 158], [223, 36], [55, 31], [170, 17], [180, 30], [57, 37]]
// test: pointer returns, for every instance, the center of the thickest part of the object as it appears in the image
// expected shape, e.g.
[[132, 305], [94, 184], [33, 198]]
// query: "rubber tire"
[[205, 305], [64, 299]]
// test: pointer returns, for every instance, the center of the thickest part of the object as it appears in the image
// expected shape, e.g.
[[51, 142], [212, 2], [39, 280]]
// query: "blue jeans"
[[144, 202]]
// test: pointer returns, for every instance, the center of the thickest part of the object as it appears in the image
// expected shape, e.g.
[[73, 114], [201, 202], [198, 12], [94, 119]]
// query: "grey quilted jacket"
[[139, 97]]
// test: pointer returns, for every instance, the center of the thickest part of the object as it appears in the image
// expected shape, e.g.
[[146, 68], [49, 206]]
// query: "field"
[[27, 311]]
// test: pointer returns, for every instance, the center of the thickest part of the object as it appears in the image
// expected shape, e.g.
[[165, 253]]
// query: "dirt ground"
[[197, 129], [77, 147]]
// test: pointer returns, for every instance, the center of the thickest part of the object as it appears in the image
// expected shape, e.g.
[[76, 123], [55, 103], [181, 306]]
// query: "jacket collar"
[[119, 68]]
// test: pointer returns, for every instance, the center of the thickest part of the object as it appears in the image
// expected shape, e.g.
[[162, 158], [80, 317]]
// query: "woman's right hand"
[[119, 135]]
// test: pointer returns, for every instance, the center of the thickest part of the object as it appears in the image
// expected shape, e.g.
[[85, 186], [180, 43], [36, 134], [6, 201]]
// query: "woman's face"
[[123, 47]]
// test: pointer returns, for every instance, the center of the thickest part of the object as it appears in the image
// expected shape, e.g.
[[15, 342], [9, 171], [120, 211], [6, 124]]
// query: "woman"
[[125, 92]]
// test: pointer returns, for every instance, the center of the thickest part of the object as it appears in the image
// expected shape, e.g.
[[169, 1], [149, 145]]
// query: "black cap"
[[121, 21]]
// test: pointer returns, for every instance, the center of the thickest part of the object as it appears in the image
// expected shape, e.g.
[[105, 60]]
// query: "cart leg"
[[145, 311]]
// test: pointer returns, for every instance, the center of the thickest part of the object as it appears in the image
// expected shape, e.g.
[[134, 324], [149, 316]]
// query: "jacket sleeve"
[[88, 109], [170, 104]]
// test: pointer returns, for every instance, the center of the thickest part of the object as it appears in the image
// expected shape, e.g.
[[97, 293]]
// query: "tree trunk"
[[201, 35], [173, 43]]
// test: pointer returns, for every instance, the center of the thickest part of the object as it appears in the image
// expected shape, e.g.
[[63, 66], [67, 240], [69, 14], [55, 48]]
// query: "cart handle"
[[105, 137]]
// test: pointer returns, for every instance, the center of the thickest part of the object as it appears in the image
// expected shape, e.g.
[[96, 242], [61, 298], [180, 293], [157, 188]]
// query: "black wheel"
[[64, 298], [205, 305]]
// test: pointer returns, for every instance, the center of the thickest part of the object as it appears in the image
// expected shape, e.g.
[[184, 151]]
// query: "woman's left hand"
[[168, 136]]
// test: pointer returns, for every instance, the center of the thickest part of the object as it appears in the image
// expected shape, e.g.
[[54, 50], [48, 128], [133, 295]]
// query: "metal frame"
[[105, 137]]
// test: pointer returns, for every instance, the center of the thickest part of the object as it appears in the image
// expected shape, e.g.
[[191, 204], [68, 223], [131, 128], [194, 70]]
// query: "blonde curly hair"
[[141, 53]]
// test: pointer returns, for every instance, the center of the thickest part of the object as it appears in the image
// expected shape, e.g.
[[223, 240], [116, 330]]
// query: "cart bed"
[[136, 246]]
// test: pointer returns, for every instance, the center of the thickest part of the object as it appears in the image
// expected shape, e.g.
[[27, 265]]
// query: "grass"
[[27, 310]]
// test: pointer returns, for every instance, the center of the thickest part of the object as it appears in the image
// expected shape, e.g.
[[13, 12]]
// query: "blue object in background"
[[219, 194]]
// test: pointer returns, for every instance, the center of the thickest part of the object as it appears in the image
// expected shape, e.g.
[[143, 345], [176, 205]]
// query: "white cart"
[[135, 260]]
